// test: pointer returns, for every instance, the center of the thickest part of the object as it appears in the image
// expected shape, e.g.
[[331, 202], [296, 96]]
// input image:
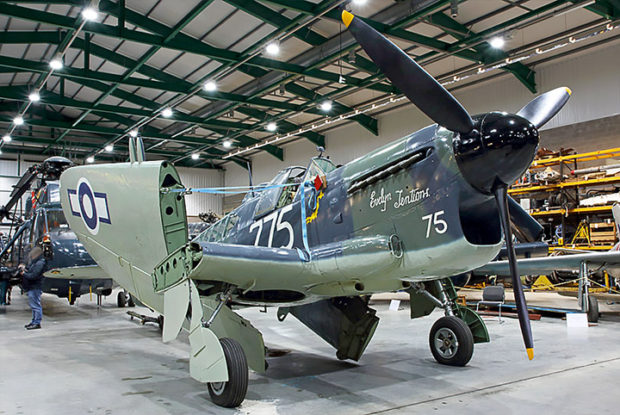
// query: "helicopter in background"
[[44, 224]]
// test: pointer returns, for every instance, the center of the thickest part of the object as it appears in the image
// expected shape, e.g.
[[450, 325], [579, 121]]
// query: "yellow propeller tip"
[[569, 91], [347, 18], [530, 353]]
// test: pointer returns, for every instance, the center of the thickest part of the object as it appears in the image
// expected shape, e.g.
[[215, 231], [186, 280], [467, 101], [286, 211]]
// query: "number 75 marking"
[[441, 226]]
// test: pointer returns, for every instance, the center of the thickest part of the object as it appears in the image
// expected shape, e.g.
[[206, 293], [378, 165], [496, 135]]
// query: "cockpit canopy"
[[283, 189]]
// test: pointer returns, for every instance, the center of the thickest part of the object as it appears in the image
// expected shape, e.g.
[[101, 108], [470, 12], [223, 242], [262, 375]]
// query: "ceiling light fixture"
[[56, 64], [195, 156], [167, 112], [7, 138], [210, 86], [34, 97], [273, 48], [227, 144], [109, 148], [133, 133], [89, 14], [90, 159], [326, 106], [497, 42], [272, 126], [19, 120]]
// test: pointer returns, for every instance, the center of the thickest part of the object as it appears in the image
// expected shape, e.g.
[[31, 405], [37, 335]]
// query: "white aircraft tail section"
[[125, 221]]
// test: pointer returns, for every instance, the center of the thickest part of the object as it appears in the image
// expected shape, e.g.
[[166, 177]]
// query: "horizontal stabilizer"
[[87, 272]]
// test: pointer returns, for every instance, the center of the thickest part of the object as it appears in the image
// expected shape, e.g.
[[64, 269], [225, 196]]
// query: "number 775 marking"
[[441, 226]]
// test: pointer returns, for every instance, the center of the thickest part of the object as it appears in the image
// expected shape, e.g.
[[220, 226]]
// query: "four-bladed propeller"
[[492, 150]]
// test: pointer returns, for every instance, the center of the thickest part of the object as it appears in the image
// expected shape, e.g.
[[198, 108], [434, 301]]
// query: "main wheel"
[[230, 394], [593, 312], [121, 299], [130, 302], [451, 341]]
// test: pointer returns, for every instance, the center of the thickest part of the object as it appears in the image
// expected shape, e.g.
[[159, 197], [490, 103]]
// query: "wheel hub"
[[217, 387], [446, 342]]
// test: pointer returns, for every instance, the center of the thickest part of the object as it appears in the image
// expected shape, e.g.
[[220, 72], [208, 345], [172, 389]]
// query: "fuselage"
[[401, 213]]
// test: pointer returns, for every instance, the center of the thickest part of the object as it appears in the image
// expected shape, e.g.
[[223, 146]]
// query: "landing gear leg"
[[587, 303], [451, 341]]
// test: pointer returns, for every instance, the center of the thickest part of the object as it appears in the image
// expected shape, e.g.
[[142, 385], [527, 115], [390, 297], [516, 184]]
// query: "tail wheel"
[[230, 394], [593, 312], [451, 341], [121, 299]]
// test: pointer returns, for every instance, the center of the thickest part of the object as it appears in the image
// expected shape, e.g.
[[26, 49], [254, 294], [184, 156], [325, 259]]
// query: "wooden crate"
[[602, 233]]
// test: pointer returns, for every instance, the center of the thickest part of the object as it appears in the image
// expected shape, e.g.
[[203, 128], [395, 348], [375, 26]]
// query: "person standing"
[[32, 281], [4, 286]]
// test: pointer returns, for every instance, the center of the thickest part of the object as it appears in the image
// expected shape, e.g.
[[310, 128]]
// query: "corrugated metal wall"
[[199, 202]]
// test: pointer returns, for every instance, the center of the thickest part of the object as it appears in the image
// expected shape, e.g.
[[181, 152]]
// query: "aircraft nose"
[[498, 152]]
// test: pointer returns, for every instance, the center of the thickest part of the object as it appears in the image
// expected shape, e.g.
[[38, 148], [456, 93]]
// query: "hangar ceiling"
[[197, 81]]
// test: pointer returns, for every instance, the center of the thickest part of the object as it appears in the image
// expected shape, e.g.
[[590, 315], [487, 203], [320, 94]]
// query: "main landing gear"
[[124, 299], [230, 394], [452, 337]]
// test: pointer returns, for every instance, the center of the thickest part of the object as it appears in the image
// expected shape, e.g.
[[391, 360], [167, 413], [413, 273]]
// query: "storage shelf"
[[593, 155], [561, 185], [593, 209], [581, 248]]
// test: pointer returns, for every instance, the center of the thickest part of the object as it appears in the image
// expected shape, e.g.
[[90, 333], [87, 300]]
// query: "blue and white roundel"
[[91, 206]]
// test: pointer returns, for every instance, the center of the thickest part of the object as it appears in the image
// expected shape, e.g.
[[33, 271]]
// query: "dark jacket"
[[33, 275]]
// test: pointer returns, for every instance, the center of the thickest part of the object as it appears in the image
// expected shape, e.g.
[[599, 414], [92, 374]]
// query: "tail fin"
[[125, 221]]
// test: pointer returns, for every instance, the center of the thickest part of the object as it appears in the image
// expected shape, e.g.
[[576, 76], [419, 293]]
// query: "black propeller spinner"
[[492, 150]]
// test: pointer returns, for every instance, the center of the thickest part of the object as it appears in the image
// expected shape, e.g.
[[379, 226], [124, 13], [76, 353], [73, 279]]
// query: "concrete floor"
[[90, 360]]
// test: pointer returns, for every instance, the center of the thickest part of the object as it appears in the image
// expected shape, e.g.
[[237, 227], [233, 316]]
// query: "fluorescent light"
[[497, 42], [273, 48], [227, 144], [18, 120], [272, 126], [56, 64], [90, 159], [6, 138], [89, 14], [34, 97], [326, 106], [195, 156], [210, 86], [109, 148], [133, 133], [359, 2], [167, 112]]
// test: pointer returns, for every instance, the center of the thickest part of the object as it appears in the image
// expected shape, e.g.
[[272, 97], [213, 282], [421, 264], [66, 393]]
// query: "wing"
[[88, 272], [549, 264]]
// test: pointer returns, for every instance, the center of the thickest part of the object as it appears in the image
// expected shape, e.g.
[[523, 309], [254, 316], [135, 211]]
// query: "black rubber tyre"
[[130, 302], [121, 299], [230, 394], [451, 341], [593, 312], [160, 322]]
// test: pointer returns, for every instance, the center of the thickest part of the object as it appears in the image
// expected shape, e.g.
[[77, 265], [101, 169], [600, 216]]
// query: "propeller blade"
[[544, 107], [501, 197], [409, 77], [527, 228]]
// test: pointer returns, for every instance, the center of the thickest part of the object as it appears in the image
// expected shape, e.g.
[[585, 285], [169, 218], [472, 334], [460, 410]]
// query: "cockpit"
[[284, 188], [281, 191]]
